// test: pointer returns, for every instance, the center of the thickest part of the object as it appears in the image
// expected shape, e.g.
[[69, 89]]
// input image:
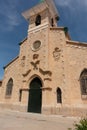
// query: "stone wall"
[[11, 71], [76, 62]]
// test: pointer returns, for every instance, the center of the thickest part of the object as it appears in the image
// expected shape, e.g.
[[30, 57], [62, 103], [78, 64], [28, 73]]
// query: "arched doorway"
[[35, 96]]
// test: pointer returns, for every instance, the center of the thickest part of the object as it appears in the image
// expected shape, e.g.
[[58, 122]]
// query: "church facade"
[[50, 73]]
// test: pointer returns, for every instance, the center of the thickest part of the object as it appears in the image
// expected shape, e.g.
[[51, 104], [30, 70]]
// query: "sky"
[[13, 27]]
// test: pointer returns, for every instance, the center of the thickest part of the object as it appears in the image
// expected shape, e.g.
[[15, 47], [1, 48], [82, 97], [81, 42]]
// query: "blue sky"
[[13, 27]]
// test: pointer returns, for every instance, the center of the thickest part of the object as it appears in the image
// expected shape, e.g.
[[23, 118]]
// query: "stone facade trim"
[[76, 43], [23, 41], [11, 62]]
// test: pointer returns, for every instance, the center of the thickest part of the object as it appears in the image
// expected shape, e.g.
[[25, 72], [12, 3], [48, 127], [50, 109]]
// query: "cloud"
[[72, 3], [73, 14], [73, 9], [9, 14], [63, 2]]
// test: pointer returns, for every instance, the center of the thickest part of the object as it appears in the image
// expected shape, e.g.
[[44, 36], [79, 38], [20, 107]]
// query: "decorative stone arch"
[[9, 88], [83, 83], [35, 95], [59, 95], [83, 71], [34, 76]]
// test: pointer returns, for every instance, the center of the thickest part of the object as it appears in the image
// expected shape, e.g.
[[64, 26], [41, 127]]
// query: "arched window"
[[38, 20], [83, 82], [9, 87], [59, 95]]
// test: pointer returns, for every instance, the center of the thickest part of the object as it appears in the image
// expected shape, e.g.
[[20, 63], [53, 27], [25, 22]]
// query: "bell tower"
[[44, 13]]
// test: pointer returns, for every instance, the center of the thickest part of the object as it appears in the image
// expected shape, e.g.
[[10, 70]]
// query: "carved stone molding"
[[23, 61], [47, 88], [47, 79], [56, 53], [35, 64], [45, 72], [24, 81], [35, 56], [24, 89], [25, 74]]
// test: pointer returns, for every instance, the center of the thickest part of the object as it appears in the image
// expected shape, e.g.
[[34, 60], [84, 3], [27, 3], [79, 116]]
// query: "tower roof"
[[41, 7]]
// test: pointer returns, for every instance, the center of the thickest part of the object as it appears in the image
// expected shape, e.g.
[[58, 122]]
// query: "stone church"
[[50, 73]]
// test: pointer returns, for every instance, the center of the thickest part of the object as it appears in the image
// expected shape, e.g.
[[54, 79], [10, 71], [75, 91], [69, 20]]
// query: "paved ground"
[[10, 120]]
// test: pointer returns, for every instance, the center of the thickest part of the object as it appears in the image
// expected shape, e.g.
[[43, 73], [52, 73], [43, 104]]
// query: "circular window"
[[36, 45]]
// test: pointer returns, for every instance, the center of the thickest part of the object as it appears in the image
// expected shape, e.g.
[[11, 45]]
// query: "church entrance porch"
[[35, 96]]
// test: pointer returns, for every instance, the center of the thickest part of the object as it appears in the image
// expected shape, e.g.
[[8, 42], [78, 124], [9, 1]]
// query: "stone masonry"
[[55, 60]]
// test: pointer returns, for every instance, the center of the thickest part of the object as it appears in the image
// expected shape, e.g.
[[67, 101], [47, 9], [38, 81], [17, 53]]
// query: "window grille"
[[83, 82], [9, 88]]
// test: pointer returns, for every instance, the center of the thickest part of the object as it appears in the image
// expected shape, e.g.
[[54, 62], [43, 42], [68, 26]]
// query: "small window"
[[9, 88], [83, 82], [52, 22], [59, 95], [36, 45], [38, 20]]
